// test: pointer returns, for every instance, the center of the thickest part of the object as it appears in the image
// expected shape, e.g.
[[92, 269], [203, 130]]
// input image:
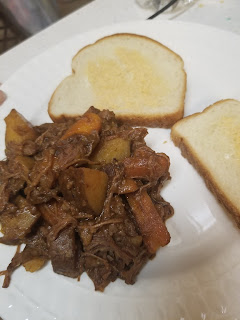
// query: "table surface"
[[224, 14]]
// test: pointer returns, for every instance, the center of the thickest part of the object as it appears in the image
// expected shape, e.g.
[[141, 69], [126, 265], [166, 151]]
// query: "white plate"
[[197, 275]]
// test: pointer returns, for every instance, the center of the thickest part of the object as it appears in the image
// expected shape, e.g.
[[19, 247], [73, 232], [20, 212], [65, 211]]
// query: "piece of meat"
[[129, 274], [16, 225], [4, 192], [30, 148], [165, 210], [50, 133], [65, 252], [36, 247], [13, 176], [99, 271], [41, 185], [74, 150], [113, 247], [71, 186]]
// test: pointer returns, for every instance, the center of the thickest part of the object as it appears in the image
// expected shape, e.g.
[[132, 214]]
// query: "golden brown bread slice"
[[138, 78], [210, 140]]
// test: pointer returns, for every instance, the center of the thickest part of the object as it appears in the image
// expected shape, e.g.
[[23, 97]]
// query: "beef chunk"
[[64, 253]]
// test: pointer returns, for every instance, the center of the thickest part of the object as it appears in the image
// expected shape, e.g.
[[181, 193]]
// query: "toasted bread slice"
[[210, 140], [138, 78]]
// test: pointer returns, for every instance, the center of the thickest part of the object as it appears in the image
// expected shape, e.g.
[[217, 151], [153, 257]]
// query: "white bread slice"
[[138, 78], [210, 140]]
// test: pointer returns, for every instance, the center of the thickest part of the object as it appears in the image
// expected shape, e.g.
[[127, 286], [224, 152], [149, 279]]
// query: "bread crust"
[[127, 34], [202, 169], [163, 121]]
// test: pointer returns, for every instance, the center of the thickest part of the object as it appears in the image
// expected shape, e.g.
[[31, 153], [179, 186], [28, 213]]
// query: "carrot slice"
[[85, 125], [153, 230], [146, 164]]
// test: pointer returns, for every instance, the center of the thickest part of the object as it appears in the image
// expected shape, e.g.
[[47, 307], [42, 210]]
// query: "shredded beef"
[[46, 201]]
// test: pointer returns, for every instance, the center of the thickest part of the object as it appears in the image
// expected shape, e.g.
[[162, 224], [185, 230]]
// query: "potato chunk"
[[117, 148], [34, 264], [18, 129], [95, 187]]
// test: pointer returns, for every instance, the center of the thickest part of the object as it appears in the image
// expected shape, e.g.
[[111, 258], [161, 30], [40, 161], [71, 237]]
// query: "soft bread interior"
[[212, 141], [129, 74]]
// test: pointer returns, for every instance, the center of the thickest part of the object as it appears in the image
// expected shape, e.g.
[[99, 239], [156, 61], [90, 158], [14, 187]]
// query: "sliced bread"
[[138, 78], [210, 140]]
